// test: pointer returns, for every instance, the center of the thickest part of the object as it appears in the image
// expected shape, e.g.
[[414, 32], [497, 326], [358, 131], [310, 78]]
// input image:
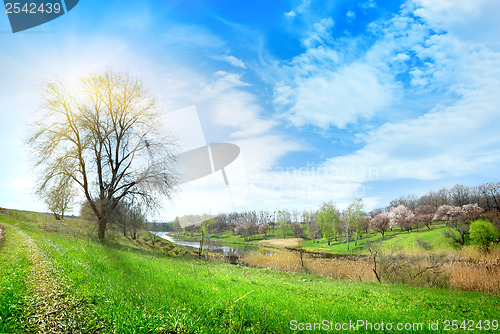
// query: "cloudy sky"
[[328, 100]]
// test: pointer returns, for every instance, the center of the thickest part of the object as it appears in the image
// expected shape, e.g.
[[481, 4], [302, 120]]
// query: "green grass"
[[14, 265], [230, 237], [134, 290], [406, 241]]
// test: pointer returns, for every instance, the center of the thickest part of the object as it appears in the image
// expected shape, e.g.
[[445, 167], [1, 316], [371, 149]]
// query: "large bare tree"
[[104, 137]]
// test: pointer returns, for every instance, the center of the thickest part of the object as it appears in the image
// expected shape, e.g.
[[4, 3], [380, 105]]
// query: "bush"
[[483, 233], [399, 268]]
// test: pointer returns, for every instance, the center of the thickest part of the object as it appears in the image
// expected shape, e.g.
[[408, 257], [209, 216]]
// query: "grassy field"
[[406, 241], [55, 277]]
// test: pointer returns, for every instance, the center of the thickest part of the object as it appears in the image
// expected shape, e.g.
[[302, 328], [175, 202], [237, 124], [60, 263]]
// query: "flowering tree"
[[380, 223], [448, 214], [264, 228], [424, 215], [401, 216], [454, 217], [407, 221], [471, 212]]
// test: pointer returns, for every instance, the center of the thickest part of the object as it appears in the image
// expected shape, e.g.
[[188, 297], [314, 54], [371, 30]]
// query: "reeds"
[[468, 270]]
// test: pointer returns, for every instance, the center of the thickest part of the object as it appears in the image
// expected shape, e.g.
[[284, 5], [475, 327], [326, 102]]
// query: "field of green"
[[55, 277], [230, 237], [433, 238]]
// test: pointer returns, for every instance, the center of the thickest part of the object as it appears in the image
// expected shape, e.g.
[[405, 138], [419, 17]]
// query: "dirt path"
[[49, 308], [2, 237]]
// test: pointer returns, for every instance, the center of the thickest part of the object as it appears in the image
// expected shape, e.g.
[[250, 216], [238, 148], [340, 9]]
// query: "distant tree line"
[[459, 208], [328, 222]]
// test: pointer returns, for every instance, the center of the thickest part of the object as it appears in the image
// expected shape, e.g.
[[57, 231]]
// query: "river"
[[215, 246]]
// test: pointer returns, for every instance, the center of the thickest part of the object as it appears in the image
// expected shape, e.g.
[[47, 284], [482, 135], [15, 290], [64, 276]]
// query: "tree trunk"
[[101, 229], [347, 238]]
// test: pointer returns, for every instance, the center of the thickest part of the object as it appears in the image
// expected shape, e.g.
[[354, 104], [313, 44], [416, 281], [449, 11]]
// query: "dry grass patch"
[[474, 254], [458, 272], [474, 276], [332, 268], [281, 243]]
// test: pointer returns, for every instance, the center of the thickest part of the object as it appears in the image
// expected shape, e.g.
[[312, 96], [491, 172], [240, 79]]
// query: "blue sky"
[[328, 100]]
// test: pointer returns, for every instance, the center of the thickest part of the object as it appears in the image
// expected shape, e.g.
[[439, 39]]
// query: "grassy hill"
[[433, 239], [54, 276]]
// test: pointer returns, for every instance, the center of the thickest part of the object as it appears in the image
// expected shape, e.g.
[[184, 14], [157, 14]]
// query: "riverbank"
[[116, 287]]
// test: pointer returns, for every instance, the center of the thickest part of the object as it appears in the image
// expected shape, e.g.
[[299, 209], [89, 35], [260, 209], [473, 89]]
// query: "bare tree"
[[58, 197], [460, 195], [104, 138], [298, 230], [313, 229]]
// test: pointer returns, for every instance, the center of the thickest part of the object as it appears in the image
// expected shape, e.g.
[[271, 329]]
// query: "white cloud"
[[368, 4], [299, 9], [459, 135], [233, 107], [320, 34], [440, 144], [455, 75], [291, 14], [232, 60], [350, 15], [192, 37], [474, 21], [336, 98]]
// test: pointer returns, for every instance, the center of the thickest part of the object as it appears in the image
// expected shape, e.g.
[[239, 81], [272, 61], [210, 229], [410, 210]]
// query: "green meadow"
[[401, 240], [55, 277]]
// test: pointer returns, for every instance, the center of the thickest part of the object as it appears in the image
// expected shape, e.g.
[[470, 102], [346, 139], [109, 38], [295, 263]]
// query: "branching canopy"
[[104, 138]]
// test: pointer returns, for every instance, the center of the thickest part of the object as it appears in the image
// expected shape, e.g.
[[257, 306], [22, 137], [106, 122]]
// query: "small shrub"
[[484, 234], [424, 244]]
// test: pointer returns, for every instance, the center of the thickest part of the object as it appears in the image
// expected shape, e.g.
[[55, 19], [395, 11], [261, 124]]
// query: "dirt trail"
[[2, 237], [49, 308]]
